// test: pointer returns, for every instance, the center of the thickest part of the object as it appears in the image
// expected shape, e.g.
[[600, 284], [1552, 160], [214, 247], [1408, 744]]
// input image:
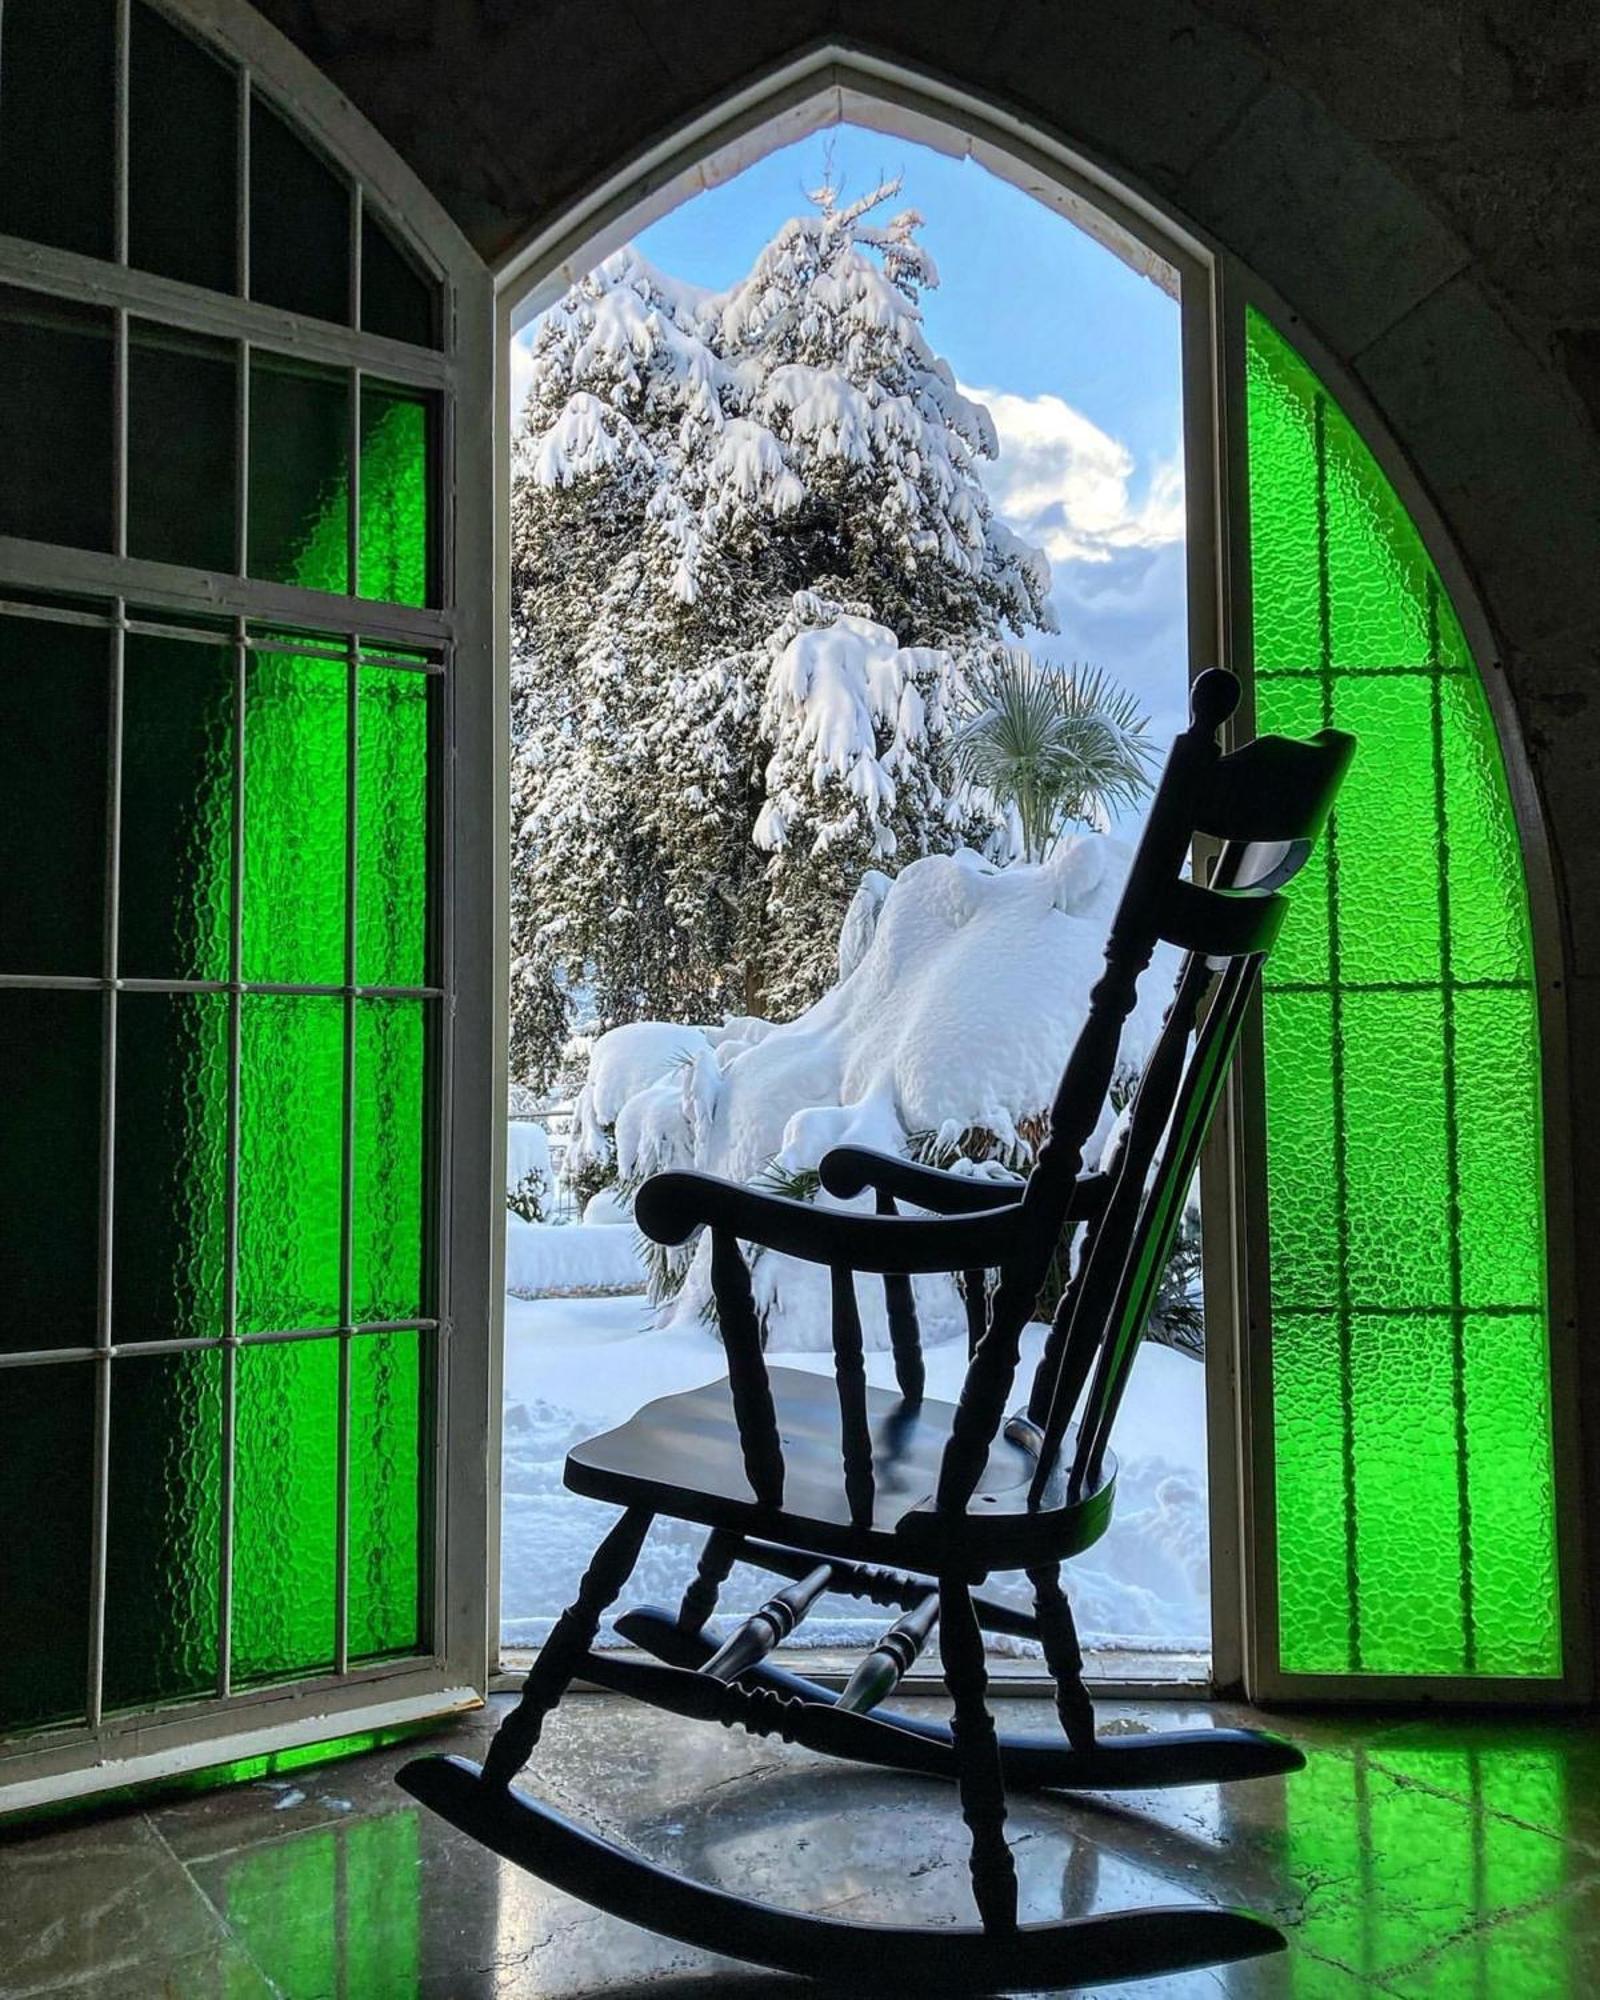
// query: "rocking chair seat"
[[682, 1456]]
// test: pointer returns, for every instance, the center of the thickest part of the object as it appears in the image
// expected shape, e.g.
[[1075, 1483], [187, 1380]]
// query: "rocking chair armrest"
[[847, 1170], [670, 1207]]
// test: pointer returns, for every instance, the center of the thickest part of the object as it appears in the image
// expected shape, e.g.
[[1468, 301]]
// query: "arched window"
[[1415, 1511], [234, 339]]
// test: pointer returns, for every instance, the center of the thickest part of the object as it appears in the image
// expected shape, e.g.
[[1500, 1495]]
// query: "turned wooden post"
[[563, 1652], [983, 1791]]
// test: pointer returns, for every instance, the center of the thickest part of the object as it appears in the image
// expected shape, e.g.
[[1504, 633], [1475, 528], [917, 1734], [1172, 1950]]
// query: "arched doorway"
[[1326, 1439]]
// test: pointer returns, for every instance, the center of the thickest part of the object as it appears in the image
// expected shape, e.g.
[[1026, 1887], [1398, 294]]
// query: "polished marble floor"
[[1408, 1858]]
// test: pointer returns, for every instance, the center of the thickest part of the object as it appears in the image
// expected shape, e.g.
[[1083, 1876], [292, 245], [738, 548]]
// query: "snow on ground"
[[548, 1258], [577, 1366]]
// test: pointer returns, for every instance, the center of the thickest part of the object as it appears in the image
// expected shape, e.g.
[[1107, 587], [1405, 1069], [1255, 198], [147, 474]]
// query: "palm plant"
[[1057, 747]]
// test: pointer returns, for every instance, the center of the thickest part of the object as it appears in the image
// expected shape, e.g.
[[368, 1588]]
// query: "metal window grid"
[[122, 595]]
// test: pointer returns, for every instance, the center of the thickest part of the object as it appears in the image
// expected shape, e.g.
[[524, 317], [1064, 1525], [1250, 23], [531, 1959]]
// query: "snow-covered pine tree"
[[685, 464]]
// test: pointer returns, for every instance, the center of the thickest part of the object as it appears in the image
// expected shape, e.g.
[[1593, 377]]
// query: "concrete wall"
[[1420, 179]]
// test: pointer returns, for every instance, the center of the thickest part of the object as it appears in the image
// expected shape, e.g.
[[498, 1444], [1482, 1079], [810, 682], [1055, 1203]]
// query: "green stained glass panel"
[[1410, 1368], [1301, 1165], [396, 500], [55, 693], [1407, 1509], [1511, 1491], [299, 474], [291, 1131], [1489, 928], [50, 1058], [296, 731], [388, 1233], [1386, 849], [1310, 1435], [46, 1501], [286, 1495], [163, 1528], [1396, 1119], [170, 1191], [176, 809], [386, 1460], [392, 827]]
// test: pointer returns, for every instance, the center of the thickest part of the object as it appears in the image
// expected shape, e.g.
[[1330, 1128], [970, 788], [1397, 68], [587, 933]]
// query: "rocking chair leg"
[[716, 1560], [978, 1773], [1062, 1655], [563, 1652]]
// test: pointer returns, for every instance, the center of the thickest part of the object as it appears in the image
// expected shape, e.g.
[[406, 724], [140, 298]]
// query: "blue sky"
[[1076, 355]]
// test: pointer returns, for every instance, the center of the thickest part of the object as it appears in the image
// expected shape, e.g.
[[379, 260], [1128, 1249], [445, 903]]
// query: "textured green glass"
[[50, 1058], [299, 474], [170, 1191], [392, 827], [286, 1501], [296, 731], [387, 1453], [387, 1220], [163, 1528], [55, 697], [176, 809], [46, 1503], [1415, 1497], [395, 499], [291, 1134]]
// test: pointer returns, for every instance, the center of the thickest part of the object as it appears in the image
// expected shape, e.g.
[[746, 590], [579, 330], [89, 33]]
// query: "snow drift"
[[945, 1038]]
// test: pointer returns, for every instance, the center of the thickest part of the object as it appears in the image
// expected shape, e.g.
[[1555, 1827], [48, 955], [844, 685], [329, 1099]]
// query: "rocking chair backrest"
[[1267, 803]]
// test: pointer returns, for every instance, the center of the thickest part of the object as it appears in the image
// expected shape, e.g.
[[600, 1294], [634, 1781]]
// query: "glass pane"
[[299, 223], [58, 122], [1512, 1489], [291, 1111], [171, 1173], [183, 156], [56, 371], [387, 1457], [1396, 1120], [299, 474], [54, 698], [1408, 1491], [396, 530], [286, 1496], [49, 1170], [182, 430], [392, 827], [1301, 1168], [177, 809], [296, 732], [163, 1528], [46, 1501], [1415, 1523], [389, 1194], [396, 299]]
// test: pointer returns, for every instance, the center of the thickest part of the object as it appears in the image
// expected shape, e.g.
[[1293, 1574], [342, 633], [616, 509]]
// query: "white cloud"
[[1067, 486]]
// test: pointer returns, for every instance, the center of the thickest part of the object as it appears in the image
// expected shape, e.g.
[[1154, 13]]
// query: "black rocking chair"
[[911, 1503]]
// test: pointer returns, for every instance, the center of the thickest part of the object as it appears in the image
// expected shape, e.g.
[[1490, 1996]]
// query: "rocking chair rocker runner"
[[911, 1503]]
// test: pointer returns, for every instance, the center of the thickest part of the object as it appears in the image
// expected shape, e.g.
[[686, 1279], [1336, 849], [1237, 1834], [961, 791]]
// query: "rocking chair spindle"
[[910, 1503]]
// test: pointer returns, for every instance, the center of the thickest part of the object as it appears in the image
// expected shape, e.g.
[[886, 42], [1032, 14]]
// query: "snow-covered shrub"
[[685, 464], [944, 1040], [529, 1179]]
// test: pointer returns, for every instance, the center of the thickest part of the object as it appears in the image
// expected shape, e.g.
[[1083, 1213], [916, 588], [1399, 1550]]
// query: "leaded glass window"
[[221, 972], [1410, 1367]]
